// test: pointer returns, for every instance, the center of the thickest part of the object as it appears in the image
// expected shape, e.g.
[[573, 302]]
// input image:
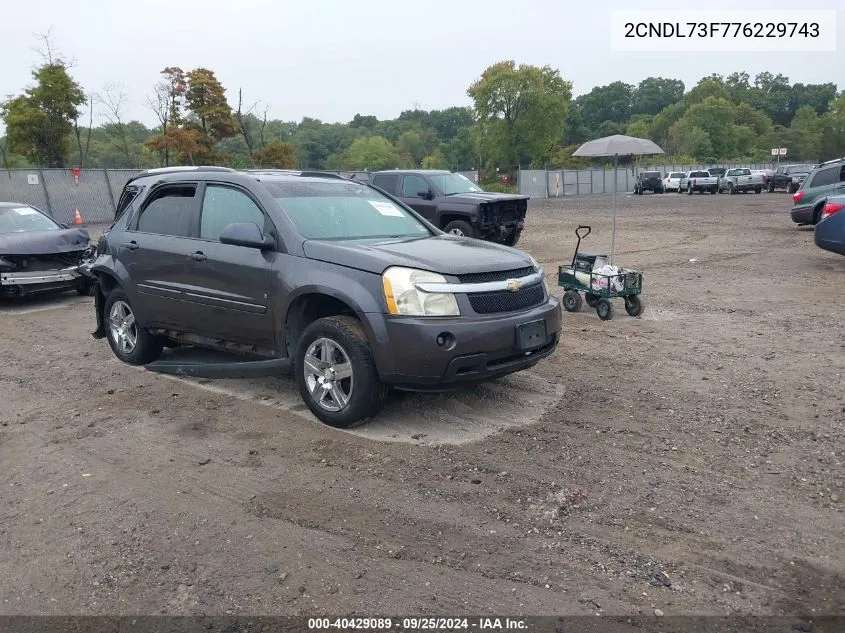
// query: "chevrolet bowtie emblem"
[[514, 285]]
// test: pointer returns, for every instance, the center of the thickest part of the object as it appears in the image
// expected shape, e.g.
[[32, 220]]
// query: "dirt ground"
[[690, 460]]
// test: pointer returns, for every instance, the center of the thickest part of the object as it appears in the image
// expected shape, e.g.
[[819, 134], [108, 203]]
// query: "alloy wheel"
[[124, 330], [328, 374]]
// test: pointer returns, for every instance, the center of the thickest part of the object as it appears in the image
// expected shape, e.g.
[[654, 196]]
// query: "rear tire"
[[130, 342], [758, 189], [689, 190], [338, 346], [771, 187], [460, 228], [634, 305], [731, 189]]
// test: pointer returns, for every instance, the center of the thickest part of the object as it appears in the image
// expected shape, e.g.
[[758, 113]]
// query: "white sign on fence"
[[782, 151], [774, 151], [32, 179]]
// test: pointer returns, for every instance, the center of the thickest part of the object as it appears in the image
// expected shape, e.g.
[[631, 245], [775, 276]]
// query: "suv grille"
[[478, 278], [506, 301]]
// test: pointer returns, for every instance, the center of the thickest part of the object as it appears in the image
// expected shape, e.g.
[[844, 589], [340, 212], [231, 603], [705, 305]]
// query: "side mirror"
[[246, 234], [64, 225], [425, 195]]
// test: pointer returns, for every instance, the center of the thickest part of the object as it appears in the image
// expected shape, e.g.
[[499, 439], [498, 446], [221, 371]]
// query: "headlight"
[[403, 298], [534, 263]]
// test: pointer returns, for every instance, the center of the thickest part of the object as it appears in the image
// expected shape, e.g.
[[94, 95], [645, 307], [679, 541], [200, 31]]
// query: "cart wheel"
[[572, 301], [591, 299], [604, 309], [634, 306]]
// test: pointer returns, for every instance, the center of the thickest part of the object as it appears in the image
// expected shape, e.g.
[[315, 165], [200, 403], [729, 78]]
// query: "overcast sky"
[[330, 59]]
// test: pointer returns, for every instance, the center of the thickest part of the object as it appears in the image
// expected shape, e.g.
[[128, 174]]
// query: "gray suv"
[[345, 284]]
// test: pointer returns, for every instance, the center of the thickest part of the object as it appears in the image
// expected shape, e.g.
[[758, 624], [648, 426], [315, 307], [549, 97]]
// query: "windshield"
[[699, 174], [343, 211], [24, 219], [450, 184], [651, 174], [799, 169]]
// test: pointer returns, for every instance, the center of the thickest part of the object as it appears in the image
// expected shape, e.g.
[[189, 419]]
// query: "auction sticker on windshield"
[[386, 208]]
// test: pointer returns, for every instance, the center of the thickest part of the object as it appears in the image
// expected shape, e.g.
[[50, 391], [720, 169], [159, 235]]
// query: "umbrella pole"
[[613, 228]]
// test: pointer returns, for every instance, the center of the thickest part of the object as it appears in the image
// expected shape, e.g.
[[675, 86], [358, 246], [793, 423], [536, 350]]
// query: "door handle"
[[133, 245], [198, 256]]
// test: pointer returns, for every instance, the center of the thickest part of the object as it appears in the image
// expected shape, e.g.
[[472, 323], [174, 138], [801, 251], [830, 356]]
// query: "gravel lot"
[[690, 460]]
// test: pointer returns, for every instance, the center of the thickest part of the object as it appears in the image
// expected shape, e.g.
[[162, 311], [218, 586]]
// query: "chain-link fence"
[[542, 183], [94, 193]]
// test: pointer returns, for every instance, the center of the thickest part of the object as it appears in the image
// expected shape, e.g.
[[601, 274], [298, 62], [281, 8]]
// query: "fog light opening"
[[446, 341]]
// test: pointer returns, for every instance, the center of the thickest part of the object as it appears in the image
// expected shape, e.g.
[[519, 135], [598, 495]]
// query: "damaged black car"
[[38, 255]]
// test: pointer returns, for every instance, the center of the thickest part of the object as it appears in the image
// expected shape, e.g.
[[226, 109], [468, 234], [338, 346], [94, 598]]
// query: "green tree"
[[688, 139], [435, 160], [410, 145], [711, 86], [639, 126], [663, 121], [612, 102], [833, 130], [808, 132], [715, 116], [655, 93], [371, 153], [39, 123], [521, 112], [277, 155]]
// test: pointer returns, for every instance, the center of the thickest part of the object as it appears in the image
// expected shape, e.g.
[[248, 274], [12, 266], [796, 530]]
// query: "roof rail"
[[830, 162], [160, 171], [296, 172]]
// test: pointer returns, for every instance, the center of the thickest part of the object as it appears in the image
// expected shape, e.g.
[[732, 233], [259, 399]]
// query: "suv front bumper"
[[409, 356]]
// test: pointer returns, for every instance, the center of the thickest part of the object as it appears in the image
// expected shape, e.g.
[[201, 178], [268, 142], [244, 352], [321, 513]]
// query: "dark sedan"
[[38, 255], [830, 231]]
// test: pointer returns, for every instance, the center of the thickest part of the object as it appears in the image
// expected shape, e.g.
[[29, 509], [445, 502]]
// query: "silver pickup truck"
[[698, 180], [741, 179]]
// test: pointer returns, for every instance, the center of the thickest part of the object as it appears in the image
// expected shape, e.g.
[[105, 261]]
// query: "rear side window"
[[225, 205], [387, 182], [825, 177], [171, 210], [676, 174]]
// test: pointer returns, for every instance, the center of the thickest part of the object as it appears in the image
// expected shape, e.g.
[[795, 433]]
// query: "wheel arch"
[[313, 303]]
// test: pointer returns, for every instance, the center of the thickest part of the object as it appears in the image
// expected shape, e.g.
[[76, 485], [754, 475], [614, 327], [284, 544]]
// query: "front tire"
[[634, 306], [604, 309], [130, 342], [336, 373], [460, 228], [572, 300]]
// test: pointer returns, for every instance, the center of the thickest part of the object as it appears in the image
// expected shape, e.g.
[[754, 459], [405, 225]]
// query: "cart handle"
[[580, 237]]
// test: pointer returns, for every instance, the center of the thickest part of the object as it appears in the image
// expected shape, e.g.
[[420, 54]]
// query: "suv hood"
[[485, 196], [445, 254]]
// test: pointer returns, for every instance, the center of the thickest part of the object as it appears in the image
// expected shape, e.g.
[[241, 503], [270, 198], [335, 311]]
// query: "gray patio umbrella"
[[616, 146]]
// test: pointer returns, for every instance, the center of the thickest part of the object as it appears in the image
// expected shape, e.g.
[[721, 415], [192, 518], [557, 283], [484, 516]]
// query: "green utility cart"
[[598, 288]]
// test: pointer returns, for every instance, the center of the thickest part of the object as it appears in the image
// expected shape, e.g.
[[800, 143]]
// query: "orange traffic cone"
[[77, 218]]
